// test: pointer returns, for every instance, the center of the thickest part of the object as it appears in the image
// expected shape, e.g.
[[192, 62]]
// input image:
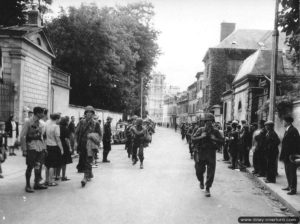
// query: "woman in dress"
[[65, 140], [54, 148], [12, 131]]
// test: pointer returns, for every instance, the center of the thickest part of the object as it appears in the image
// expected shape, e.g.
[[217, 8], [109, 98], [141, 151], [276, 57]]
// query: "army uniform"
[[139, 134], [128, 144], [205, 156], [189, 136], [84, 129]]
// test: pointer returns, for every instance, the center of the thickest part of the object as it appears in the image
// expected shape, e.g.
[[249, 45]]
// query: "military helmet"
[[89, 108], [139, 121], [134, 117]]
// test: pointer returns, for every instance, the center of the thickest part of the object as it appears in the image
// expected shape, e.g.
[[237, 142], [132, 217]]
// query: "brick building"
[[192, 98]]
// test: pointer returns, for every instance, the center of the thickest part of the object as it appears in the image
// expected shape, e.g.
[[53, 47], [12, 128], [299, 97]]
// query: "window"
[[240, 106], [206, 93], [1, 66], [39, 41]]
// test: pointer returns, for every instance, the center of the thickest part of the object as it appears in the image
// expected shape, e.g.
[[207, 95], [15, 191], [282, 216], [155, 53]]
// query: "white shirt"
[[287, 128], [52, 133]]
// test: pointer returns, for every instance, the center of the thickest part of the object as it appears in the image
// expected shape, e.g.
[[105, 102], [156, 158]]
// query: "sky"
[[189, 27]]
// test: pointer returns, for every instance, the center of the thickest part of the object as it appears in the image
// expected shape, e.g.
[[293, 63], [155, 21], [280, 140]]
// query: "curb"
[[274, 194]]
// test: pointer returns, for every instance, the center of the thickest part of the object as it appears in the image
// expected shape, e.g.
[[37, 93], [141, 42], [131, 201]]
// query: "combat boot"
[[207, 192]]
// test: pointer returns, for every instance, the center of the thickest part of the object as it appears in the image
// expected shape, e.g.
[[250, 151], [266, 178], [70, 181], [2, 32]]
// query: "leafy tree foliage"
[[13, 12], [107, 51], [290, 22]]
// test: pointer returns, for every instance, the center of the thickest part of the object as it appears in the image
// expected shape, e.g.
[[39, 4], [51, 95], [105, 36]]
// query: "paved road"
[[166, 191]]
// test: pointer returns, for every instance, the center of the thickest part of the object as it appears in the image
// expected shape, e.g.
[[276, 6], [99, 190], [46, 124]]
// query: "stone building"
[[192, 102], [199, 91], [26, 55], [223, 61], [182, 107], [170, 110], [155, 97], [251, 85], [27, 77]]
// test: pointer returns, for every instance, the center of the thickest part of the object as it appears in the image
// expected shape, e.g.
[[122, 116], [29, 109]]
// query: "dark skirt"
[[66, 157], [54, 157]]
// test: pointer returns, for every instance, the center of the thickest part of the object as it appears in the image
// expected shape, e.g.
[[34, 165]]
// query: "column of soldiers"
[[138, 137], [205, 138]]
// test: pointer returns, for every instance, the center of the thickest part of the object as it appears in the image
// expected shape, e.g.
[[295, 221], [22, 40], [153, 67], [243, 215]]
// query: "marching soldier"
[[207, 139], [139, 135], [129, 137], [85, 128], [189, 138]]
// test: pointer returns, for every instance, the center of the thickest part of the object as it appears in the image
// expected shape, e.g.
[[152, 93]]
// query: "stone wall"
[[241, 99]]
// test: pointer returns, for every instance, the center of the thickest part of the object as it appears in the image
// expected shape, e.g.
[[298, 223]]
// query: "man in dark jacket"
[[107, 139], [260, 151], [233, 137], [290, 146], [272, 142]]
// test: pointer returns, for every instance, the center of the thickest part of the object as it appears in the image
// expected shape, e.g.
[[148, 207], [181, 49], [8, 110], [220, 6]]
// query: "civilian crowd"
[[50, 143]]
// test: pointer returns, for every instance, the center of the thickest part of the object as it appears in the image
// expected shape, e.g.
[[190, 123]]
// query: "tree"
[[13, 12], [107, 51], [290, 23]]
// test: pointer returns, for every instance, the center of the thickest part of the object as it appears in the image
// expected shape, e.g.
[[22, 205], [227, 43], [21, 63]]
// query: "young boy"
[[3, 145]]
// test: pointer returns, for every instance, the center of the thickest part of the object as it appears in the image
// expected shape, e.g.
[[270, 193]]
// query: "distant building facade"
[[155, 97]]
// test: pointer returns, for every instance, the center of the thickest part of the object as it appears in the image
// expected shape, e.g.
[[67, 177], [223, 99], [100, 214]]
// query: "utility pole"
[[142, 82], [274, 65]]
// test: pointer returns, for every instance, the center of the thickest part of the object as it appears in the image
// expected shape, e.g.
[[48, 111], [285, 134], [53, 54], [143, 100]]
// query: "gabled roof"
[[27, 32], [259, 64], [249, 39]]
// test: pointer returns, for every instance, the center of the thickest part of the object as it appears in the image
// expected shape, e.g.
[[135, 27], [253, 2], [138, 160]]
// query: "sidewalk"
[[14, 165], [292, 202]]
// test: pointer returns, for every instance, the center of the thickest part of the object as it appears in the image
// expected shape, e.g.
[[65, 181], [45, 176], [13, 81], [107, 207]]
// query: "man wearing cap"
[[260, 150], [272, 143], [233, 138], [208, 140], [107, 139], [290, 147], [85, 127], [32, 146]]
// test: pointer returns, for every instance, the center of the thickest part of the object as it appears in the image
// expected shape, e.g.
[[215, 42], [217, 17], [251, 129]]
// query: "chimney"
[[226, 30], [34, 17]]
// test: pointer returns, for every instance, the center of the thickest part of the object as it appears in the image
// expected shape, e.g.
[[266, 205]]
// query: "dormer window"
[[39, 41]]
